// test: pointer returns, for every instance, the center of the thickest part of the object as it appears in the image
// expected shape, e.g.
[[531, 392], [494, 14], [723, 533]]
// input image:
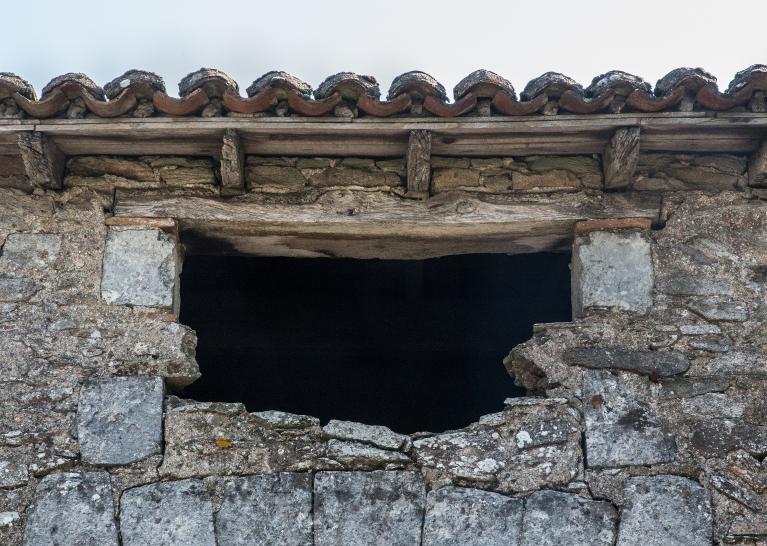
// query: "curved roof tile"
[[349, 84], [279, 80], [484, 84], [120, 83], [418, 83], [76, 77], [212, 80], [551, 83]]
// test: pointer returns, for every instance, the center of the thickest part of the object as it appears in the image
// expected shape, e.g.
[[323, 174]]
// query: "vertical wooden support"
[[419, 163], [757, 166], [620, 158], [43, 161], [232, 164]]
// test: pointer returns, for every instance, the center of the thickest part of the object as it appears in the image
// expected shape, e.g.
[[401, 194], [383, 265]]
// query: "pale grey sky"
[[313, 39]]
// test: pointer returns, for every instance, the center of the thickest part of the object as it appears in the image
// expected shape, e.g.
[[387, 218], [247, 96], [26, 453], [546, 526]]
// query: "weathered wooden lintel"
[[374, 224], [44, 163], [620, 158]]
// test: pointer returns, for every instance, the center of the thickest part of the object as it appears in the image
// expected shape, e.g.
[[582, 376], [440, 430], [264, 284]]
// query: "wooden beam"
[[620, 158], [43, 161], [757, 166], [232, 164], [419, 164], [377, 224]]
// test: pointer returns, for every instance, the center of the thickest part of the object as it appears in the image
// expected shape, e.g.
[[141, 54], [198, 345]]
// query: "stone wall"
[[646, 420]]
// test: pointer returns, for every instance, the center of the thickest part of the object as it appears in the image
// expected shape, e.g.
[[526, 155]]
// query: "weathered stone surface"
[[716, 437], [168, 514], [264, 175], [17, 289], [612, 270], [621, 428], [663, 363], [546, 181], [72, 508], [673, 172], [714, 406], [687, 285], [93, 166], [281, 419], [553, 518], [141, 267], [739, 362], [13, 474], [374, 434], [447, 179], [681, 387], [720, 310], [31, 250], [359, 455], [346, 176], [204, 439], [119, 420], [665, 511], [266, 509], [120, 83], [371, 508], [458, 516], [520, 449]]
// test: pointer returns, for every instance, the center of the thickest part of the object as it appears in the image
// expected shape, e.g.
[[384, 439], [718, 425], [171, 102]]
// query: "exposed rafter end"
[[757, 166], [419, 164], [620, 157], [232, 164], [44, 163]]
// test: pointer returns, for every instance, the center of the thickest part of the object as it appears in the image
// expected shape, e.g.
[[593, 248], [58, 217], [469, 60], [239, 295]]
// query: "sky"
[[314, 39]]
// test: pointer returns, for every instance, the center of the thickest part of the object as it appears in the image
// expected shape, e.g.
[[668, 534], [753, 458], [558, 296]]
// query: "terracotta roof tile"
[[210, 92]]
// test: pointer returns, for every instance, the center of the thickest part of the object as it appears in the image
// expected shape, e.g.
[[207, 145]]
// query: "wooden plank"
[[620, 158], [43, 162], [419, 164], [232, 164], [375, 224], [757, 166]]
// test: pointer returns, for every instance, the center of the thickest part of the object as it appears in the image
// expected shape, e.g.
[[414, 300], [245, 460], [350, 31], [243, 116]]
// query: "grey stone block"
[[167, 514], [458, 516], [375, 434], [665, 511], [621, 429], [553, 518], [72, 508], [612, 270], [31, 250], [664, 363], [119, 420], [141, 267], [266, 509], [16, 289], [13, 474], [371, 508]]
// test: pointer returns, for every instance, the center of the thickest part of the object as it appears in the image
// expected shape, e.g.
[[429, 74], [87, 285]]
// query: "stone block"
[[553, 518], [31, 250], [713, 309], [458, 516], [665, 511], [13, 474], [141, 267], [167, 514], [266, 509], [621, 428], [448, 179], [17, 289], [72, 508], [612, 269], [377, 435], [663, 363], [371, 508], [119, 420], [359, 455]]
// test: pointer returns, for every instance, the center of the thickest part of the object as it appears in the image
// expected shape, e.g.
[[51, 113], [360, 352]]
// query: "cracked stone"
[[553, 518], [168, 513], [664, 363], [621, 429], [665, 511], [459, 516], [119, 420], [266, 509], [377, 435], [372, 508], [72, 508]]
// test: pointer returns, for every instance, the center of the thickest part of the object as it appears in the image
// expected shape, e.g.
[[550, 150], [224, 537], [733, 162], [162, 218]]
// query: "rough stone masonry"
[[645, 421]]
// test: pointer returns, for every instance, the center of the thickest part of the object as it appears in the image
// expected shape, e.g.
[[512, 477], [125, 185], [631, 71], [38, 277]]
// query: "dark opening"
[[414, 345]]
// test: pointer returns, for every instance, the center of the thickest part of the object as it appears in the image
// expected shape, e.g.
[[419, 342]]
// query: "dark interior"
[[414, 345]]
